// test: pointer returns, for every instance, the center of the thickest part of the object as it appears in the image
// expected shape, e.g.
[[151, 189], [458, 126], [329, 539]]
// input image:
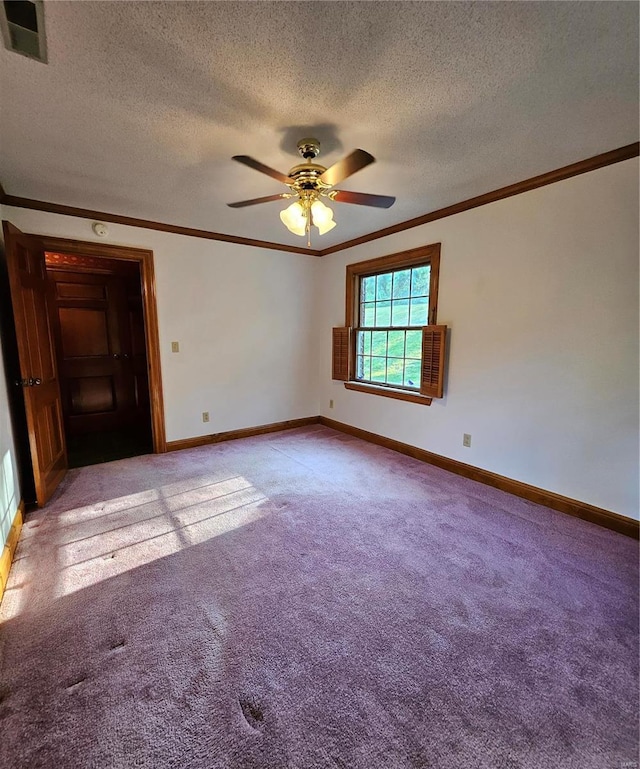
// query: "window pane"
[[412, 373], [383, 286], [400, 312], [396, 344], [366, 346], [363, 367], [360, 342], [368, 314], [394, 371], [414, 345], [419, 312], [378, 369], [368, 289], [401, 284], [379, 343], [383, 313], [420, 281]]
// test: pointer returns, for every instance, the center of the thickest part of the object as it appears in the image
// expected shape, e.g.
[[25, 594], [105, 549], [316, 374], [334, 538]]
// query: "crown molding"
[[559, 174], [148, 224]]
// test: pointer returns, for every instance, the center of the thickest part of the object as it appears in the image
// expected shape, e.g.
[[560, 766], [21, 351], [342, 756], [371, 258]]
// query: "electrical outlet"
[[466, 440], [175, 346], [205, 416], [331, 404]]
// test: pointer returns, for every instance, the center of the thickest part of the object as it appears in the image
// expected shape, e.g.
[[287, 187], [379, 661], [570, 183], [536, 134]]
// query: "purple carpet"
[[305, 600]]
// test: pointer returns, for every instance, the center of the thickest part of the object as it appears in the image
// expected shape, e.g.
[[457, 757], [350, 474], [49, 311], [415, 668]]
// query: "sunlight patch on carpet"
[[148, 526], [85, 515]]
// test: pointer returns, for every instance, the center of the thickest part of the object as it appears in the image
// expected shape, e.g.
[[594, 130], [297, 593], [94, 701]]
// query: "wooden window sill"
[[388, 392]]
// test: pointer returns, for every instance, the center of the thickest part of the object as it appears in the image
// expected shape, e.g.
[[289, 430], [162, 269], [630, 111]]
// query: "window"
[[395, 306], [391, 345]]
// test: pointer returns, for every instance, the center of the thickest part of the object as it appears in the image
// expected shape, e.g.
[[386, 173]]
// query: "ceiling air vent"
[[22, 23]]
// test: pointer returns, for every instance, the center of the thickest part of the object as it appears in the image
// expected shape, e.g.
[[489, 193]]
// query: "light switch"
[[175, 346]]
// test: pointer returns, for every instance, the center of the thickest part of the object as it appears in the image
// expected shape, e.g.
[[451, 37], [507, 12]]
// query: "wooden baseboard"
[[6, 559], [246, 432], [614, 521], [597, 515]]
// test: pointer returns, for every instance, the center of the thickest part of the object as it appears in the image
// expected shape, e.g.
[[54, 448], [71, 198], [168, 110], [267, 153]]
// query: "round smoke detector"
[[100, 229]]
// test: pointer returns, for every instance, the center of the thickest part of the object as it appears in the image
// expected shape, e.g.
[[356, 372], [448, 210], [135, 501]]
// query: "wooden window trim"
[[411, 258], [389, 392]]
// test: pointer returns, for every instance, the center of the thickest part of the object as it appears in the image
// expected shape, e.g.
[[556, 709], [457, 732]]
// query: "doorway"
[[98, 328], [40, 352], [97, 255]]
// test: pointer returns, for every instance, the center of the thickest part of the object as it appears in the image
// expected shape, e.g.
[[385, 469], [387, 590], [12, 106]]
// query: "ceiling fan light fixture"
[[294, 218], [309, 181], [322, 217]]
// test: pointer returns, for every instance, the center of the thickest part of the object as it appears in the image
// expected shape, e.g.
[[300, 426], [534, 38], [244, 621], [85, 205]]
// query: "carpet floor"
[[305, 600]]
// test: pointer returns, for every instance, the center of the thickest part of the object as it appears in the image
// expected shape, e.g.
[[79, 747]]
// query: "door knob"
[[116, 356], [126, 355]]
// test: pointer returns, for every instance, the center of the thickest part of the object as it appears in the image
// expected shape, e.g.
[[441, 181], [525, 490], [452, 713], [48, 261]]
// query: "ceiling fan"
[[308, 182]]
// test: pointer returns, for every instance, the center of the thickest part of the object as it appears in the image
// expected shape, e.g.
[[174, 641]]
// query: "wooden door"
[[38, 371], [101, 350]]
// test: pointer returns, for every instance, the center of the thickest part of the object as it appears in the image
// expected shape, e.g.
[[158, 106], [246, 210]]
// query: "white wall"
[[541, 294], [9, 490], [244, 318]]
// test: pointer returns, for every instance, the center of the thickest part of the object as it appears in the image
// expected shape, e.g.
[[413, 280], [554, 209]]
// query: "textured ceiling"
[[142, 104]]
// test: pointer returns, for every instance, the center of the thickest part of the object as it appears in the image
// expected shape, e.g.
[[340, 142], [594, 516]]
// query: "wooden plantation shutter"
[[340, 354], [432, 371]]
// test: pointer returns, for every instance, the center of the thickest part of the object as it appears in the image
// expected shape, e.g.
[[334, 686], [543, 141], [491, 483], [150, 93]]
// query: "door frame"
[[144, 257]]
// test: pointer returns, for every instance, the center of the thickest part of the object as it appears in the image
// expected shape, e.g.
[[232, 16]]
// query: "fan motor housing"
[[306, 176]]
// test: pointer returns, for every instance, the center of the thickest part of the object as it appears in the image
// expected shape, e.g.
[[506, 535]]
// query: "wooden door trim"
[[145, 259]]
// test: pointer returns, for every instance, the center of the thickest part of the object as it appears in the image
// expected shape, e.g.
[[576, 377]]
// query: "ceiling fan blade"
[[362, 199], [258, 166], [255, 201], [339, 171]]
